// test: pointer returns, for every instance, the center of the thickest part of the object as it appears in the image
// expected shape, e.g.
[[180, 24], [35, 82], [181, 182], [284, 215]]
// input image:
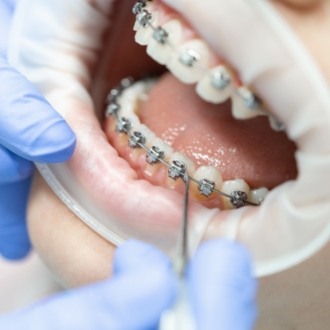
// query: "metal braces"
[[251, 101], [154, 155], [189, 57], [143, 17], [220, 79]]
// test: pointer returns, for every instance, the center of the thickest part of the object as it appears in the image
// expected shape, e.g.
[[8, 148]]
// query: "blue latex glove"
[[142, 286], [222, 288], [220, 282], [30, 130]]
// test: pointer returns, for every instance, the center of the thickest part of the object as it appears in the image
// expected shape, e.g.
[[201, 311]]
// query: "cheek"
[[73, 252]]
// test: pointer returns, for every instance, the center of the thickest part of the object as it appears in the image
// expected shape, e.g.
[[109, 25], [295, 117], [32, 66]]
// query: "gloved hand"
[[30, 130], [221, 286], [144, 285]]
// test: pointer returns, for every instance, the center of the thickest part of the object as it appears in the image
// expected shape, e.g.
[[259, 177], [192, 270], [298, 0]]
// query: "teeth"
[[184, 159], [258, 195], [168, 151], [144, 33], [215, 86], [134, 120], [130, 99], [190, 167], [148, 134], [229, 187], [159, 169], [244, 104], [160, 162], [207, 175], [136, 139], [162, 52], [190, 62], [128, 106]]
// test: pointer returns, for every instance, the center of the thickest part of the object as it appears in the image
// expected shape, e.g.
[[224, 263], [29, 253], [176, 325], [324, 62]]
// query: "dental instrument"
[[180, 315]]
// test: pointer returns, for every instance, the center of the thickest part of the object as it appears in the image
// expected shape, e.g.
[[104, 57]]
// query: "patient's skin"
[[295, 299], [74, 252]]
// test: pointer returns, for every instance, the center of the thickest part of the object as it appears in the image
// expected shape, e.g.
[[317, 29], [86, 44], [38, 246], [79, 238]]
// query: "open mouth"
[[197, 117], [212, 108]]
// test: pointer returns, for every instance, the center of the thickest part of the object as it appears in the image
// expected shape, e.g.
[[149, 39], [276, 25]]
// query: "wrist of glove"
[[222, 287], [144, 285], [30, 130]]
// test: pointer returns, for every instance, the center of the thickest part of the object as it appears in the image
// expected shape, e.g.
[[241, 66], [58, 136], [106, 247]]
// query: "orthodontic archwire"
[[219, 80], [154, 155]]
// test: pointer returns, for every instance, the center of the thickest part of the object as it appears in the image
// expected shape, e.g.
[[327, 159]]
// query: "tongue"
[[209, 135]]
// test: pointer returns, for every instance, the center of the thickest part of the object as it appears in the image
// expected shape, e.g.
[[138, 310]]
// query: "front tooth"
[[244, 104], [162, 52], [144, 33], [229, 187], [133, 119], [258, 195], [166, 148], [211, 174], [147, 133], [190, 61], [184, 159], [159, 168], [216, 85], [190, 167]]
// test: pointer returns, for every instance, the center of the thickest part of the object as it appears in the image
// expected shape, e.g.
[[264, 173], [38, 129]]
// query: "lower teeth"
[[177, 169]]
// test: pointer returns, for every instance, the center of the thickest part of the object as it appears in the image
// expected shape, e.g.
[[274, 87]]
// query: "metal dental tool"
[[183, 239], [180, 317]]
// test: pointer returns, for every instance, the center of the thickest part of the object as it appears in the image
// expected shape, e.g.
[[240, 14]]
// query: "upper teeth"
[[191, 62]]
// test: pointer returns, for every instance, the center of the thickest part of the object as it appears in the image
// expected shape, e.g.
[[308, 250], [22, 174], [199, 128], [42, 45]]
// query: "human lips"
[[134, 207], [255, 65]]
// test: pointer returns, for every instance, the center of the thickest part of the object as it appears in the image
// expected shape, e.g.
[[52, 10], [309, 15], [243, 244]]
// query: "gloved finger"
[[134, 254], [14, 239], [12, 167], [271, 58], [6, 10], [223, 291], [29, 125], [133, 299]]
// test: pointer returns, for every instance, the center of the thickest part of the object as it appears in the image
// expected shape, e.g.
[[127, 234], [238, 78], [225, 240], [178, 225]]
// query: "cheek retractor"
[[299, 206], [293, 222]]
